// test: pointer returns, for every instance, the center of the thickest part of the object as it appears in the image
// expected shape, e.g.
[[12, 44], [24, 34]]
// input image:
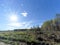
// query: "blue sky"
[[17, 14]]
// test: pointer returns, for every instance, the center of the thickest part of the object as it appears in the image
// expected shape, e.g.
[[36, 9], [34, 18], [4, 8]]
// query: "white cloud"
[[24, 14]]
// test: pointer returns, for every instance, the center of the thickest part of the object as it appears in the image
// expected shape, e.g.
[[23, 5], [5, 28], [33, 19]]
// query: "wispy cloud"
[[14, 21], [19, 25], [16, 24], [24, 14]]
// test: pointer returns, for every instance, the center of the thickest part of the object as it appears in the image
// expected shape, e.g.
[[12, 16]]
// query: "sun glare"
[[13, 18]]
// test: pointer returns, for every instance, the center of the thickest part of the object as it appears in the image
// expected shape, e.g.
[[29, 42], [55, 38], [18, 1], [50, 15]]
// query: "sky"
[[18, 14]]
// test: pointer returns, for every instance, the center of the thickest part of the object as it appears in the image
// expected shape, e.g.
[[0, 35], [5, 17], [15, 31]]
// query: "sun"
[[13, 18]]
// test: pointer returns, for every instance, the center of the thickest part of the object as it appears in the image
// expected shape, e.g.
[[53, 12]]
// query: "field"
[[14, 37], [36, 37]]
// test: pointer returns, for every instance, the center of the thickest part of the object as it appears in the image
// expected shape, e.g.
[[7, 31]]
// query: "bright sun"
[[13, 18]]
